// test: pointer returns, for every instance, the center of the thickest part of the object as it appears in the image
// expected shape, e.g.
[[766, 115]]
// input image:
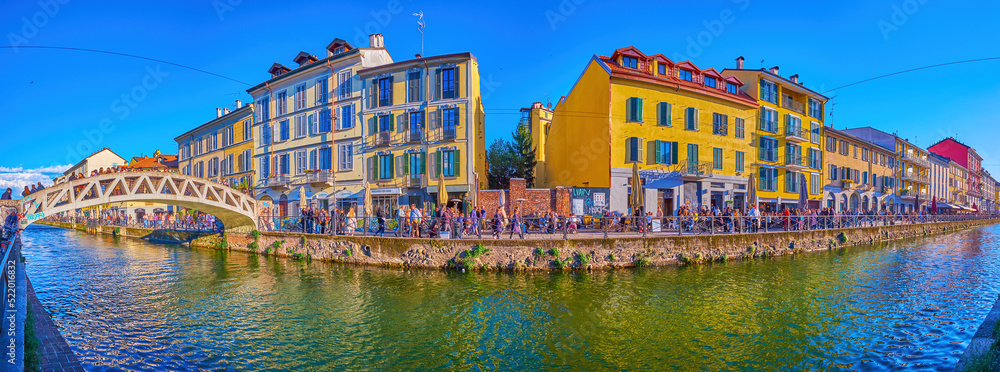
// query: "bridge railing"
[[181, 225], [565, 227]]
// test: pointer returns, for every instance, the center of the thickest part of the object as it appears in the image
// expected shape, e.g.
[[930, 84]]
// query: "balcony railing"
[[414, 181], [917, 178], [789, 103], [320, 176], [695, 169], [383, 138], [913, 159], [414, 136], [796, 131], [913, 194], [276, 182], [770, 155], [449, 133], [795, 161]]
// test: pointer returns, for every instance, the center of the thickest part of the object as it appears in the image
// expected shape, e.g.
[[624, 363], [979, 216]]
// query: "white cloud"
[[17, 178]]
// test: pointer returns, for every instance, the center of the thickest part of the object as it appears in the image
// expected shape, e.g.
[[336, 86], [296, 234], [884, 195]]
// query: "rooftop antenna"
[[420, 27], [762, 64]]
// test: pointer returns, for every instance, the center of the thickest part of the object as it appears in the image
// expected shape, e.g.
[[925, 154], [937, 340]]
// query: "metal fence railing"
[[193, 225], [589, 227]]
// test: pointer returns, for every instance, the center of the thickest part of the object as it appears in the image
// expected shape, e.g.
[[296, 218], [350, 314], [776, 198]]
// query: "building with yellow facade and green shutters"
[[221, 149], [788, 137], [538, 120], [424, 121], [688, 129]]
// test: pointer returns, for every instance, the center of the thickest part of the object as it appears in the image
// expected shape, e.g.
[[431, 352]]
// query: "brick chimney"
[[794, 78], [774, 70], [739, 63]]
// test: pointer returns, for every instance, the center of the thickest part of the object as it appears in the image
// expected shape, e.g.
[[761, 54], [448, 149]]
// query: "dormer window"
[[630, 62], [338, 50], [732, 88], [685, 75], [662, 69], [710, 82]]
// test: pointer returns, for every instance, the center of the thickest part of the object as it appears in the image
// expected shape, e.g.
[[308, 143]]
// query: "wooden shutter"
[[458, 77], [405, 159], [432, 121], [628, 149], [673, 152], [392, 166], [657, 152], [372, 125], [423, 162], [373, 167], [458, 121], [404, 123], [437, 163], [628, 110], [392, 124], [437, 86], [391, 86], [457, 162], [639, 110]]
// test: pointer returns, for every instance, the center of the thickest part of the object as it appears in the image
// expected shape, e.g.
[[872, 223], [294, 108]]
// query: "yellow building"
[[860, 174], [788, 137], [423, 120], [689, 130], [957, 184], [538, 120], [221, 149]]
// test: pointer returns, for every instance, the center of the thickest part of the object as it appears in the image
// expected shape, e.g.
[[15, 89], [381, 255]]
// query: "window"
[[283, 164], [692, 154], [732, 88], [197, 147], [768, 149], [661, 69], [716, 158], [710, 81], [633, 109], [449, 163], [415, 163], [720, 124], [385, 166], [283, 128], [740, 159], [768, 91], [263, 109], [300, 126], [793, 154], [227, 168], [322, 90], [691, 118], [685, 75], [344, 85], [324, 121], [385, 123], [833, 172], [448, 83], [831, 144], [213, 167], [630, 62], [265, 133], [793, 126], [815, 130], [186, 170], [815, 159], [666, 152], [633, 150], [815, 109], [265, 167], [245, 161], [325, 158], [347, 116], [281, 103], [664, 113], [449, 123], [740, 128], [300, 162], [768, 120], [213, 141], [384, 92], [300, 97], [791, 181], [814, 184], [345, 156], [413, 87], [247, 132], [768, 179], [416, 125]]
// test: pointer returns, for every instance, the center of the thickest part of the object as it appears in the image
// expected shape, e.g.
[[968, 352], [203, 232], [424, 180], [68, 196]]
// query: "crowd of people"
[[156, 220]]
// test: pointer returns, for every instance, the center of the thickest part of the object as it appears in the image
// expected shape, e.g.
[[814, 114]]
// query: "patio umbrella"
[[934, 204], [803, 192], [916, 204], [638, 198], [442, 192], [302, 197], [751, 192]]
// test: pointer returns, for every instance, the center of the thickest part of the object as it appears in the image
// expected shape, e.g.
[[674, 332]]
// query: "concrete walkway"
[[55, 353]]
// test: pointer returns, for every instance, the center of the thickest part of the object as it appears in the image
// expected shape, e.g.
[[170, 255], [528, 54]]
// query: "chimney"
[[739, 63], [774, 70], [218, 112], [794, 78], [536, 105], [239, 104], [375, 41], [226, 111]]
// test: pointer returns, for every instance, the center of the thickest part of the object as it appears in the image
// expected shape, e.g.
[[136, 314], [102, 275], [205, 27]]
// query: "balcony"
[[918, 178], [414, 136], [414, 181], [796, 134], [692, 170], [795, 162], [768, 155], [277, 183], [383, 138], [913, 195], [789, 103], [320, 178], [913, 159]]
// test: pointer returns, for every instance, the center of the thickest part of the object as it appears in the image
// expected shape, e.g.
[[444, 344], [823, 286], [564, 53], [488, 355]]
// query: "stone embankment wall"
[[983, 352], [549, 254]]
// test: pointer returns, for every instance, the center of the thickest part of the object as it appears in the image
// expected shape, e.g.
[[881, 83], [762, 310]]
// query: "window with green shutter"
[[740, 158], [633, 109], [664, 114], [691, 118], [716, 158]]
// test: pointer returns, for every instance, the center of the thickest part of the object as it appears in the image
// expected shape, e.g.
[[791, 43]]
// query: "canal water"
[[124, 304]]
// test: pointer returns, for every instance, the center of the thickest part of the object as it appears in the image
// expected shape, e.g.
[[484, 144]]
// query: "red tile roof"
[[647, 73]]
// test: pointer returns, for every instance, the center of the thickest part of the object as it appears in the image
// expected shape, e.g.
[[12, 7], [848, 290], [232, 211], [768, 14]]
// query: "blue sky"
[[56, 101]]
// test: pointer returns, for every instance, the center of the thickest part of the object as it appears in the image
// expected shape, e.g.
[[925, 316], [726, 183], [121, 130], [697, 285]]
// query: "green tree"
[[523, 152], [499, 161]]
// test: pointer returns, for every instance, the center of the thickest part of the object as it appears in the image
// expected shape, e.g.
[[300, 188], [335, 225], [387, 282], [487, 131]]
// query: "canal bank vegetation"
[[983, 352], [32, 358]]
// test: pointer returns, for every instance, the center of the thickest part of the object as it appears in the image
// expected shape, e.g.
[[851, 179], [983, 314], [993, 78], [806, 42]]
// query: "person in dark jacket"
[[6, 194]]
